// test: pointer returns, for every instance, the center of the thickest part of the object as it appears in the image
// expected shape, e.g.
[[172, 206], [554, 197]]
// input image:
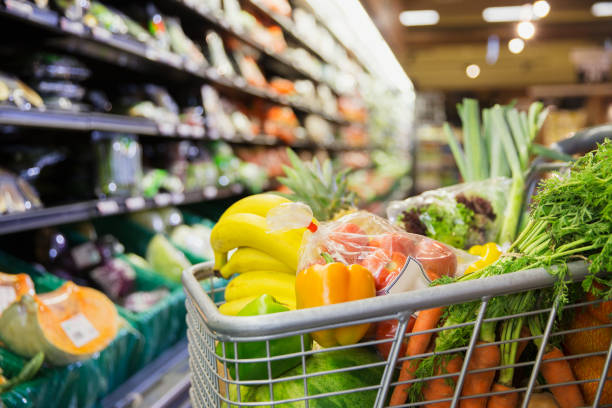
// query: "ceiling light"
[[510, 13], [602, 9], [516, 45], [541, 8], [419, 17], [472, 71], [525, 29]]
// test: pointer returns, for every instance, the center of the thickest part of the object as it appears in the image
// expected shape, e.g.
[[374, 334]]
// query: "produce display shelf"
[[289, 27], [131, 53], [218, 20], [152, 380], [12, 116], [81, 211]]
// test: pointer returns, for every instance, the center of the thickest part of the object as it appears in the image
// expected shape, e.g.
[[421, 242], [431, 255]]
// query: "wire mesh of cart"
[[334, 376]]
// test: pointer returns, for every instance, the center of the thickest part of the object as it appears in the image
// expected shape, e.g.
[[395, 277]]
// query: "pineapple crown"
[[316, 184]]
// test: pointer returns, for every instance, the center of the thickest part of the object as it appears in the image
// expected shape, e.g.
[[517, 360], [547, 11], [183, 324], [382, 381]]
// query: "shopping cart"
[[211, 335]]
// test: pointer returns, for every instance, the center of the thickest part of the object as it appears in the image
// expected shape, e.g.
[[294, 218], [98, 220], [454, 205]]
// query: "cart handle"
[[371, 308]]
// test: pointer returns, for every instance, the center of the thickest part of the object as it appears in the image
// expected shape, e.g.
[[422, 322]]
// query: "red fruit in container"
[[436, 258], [396, 242]]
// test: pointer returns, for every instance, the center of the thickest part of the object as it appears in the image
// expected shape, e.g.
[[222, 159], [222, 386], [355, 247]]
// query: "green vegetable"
[[165, 259], [320, 362], [264, 304], [28, 371], [450, 224]]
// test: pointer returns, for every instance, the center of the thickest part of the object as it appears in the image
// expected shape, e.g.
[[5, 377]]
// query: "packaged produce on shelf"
[[13, 287], [354, 135], [27, 372], [262, 305], [271, 159], [151, 102], [280, 7], [195, 238], [319, 130], [68, 324], [461, 216], [16, 194], [327, 100], [182, 45], [219, 124], [249, 70], [73, 10], [355, 159], [165, 259], [281, 122], [119, 160], [282, 86], [157, 26], [352, 108], [218, 56], [16, 93]]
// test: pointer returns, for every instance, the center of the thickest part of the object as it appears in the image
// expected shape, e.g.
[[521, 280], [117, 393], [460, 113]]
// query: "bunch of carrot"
[[486, 358]]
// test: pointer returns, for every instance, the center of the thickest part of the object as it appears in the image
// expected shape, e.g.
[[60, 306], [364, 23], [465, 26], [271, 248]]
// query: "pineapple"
[[316, 185]]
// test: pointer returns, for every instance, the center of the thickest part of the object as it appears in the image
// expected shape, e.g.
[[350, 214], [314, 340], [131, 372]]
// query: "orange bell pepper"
[[334, 283]]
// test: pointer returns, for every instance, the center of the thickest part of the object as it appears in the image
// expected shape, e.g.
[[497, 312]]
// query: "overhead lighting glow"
[[602, 9], [525, 29], [541, 8], [472, 71], [516, 45], [509, 13], [419, 17]]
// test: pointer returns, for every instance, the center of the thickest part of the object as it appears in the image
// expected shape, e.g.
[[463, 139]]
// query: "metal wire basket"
[[212, 385]]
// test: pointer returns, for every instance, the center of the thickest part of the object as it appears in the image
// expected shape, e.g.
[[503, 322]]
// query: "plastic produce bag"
[[462, 215], [399, 261]]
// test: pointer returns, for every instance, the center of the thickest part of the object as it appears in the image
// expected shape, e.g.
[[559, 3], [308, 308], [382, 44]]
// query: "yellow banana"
[[249, 230], [256, 283], [250, 259], [220, 260], [258, 204], [232, 308]]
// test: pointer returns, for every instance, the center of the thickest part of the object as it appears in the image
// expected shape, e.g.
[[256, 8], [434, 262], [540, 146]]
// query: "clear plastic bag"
[[461, 216], [399, 261]]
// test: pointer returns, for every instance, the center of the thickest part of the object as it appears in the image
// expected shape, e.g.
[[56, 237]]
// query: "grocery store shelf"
[[131, 49], [162, 383], [63, 214]]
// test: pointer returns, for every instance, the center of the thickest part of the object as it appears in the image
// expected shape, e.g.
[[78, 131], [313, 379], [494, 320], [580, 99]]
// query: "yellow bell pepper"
[[334, 283], [488, 253]]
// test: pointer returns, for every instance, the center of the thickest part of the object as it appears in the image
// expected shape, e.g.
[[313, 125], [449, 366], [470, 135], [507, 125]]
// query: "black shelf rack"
[[131, 53], [81, 211]]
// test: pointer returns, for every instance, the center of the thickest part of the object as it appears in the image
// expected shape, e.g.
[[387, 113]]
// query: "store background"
[[193, 103]]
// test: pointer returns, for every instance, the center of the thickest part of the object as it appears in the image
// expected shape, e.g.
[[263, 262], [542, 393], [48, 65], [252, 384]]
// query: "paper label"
[[86, 255], [134, 203], [19, 7], [79, 330], [74, 27], [107, 207], [411, 277], [162, 199], [7, 296]]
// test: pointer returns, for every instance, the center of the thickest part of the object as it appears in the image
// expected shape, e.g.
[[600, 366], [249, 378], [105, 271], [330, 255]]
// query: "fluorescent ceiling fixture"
[[509, 13], [472, 71], [516, 45], [525, 29], [602, 9], [419, 17], [349, 21], [541, 8]]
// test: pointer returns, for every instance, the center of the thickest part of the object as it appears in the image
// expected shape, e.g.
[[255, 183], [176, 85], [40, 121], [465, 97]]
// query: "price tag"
[[411, 277], [166, 129], [7, 296], [135, 203], [107, 207], [19, 7], [86, 255], [210, 192], [79, 330], [183, 129], [101, 33], [162, 200], [178, 198], [197, 131], [74, 27]]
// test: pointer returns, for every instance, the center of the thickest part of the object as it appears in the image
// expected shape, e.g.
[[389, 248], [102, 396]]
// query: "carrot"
[[440, 387], [417, 344], [480, 383], [509, 400], [555, 372]]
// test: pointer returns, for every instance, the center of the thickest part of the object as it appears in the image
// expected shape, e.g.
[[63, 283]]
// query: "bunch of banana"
[[266, 261]]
